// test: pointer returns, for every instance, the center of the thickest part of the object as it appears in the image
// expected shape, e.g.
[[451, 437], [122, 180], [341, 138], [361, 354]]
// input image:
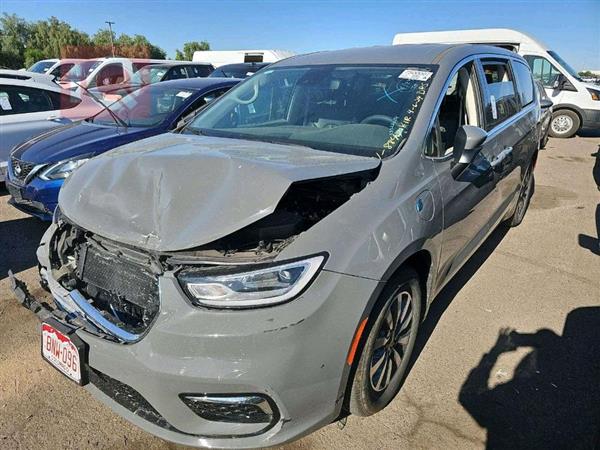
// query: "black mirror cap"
[[545, 103]]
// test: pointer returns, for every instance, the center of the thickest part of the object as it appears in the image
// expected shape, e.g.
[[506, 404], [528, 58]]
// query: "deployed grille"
[[21, 168]]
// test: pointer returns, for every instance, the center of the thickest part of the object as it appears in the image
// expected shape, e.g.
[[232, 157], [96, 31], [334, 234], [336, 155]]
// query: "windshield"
[[564, 64], [364, 110], [80, 71], [41, 66], [145, 107], [149, 74]]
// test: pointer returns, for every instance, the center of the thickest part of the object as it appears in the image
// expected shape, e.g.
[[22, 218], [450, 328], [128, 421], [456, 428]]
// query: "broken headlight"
[[264, 286], [61, 170]]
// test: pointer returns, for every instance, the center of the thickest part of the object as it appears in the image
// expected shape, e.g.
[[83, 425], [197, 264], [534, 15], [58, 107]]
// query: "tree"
[[48, 38], [189, 48], [14, 34], [586, 74]]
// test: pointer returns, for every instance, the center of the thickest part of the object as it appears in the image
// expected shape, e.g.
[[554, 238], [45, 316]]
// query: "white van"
[[92, 73], [576, 103], [220, 57]]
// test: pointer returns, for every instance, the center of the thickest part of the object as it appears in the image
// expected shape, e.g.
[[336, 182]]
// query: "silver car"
[[264, 271], [30, 103]]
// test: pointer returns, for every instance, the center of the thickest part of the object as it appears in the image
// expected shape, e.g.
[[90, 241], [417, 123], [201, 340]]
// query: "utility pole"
[[112, 44]]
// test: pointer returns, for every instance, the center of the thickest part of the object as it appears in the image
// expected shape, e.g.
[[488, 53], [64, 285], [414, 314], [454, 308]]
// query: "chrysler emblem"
[[18, 169]]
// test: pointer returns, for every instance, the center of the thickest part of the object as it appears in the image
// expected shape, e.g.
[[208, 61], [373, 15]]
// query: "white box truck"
[[221, 57], [576, 103]]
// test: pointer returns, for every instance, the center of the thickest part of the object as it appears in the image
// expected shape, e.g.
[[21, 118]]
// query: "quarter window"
[[543, 70], [524, 82], [501, 99]]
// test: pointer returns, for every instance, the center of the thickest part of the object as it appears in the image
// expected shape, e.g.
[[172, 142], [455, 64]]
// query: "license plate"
[[64, 350]]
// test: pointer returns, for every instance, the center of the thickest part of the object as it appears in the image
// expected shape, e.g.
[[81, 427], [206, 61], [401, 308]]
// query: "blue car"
[[38, 167]]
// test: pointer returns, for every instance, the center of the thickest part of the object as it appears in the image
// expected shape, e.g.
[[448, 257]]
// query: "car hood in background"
[[73, 140], [175, 192]]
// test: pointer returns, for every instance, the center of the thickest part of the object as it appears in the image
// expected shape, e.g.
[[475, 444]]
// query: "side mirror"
[[545, 103], [467, 145]]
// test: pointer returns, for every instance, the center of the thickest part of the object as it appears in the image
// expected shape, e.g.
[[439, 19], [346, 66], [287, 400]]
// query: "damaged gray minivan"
[[263, 272]]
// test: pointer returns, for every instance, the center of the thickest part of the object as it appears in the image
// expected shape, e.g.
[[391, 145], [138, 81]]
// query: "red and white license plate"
[[61, 350]]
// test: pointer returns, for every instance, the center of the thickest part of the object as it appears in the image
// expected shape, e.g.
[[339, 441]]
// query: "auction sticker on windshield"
[[65, 352]]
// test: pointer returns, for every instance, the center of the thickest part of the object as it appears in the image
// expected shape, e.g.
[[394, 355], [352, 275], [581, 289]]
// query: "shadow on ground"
[[592, 243], [445, 297], [19, 240], [553, 400]]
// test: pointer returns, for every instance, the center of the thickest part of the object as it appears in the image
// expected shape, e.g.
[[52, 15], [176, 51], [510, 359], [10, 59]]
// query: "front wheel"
[[388, 346], [564, 123]]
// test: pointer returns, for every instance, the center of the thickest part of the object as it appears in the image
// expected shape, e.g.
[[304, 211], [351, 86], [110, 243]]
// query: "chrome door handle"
[[504, 155]]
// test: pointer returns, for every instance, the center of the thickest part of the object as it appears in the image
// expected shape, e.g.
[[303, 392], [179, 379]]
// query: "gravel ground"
[[542, 279]]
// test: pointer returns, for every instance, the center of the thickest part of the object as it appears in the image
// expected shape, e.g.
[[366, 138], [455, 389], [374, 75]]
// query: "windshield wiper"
[[116, 118]]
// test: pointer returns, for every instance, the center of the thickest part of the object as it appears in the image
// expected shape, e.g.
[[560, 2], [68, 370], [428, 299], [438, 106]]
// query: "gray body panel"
[[140, 195], [176, 192]]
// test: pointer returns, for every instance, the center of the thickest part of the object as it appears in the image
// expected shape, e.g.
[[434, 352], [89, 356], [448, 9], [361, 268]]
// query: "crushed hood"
[[175, 192]]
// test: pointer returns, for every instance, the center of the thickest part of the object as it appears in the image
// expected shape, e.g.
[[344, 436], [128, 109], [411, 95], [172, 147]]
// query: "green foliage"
[[586, 74], [189, 48], [22, 43]]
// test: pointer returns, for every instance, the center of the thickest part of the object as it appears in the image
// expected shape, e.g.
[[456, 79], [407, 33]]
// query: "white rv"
[[576, 103], [221, 57]]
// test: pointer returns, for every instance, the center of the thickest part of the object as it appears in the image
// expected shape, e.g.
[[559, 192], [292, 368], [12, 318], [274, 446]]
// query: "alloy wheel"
[[392, 340]]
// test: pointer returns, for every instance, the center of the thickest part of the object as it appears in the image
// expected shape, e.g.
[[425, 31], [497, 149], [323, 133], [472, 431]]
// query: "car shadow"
[[449, 292], [553, 399], [592, 243], [19, 240]]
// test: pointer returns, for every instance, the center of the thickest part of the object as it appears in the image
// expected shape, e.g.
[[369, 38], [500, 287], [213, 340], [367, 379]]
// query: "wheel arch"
[[418, 259]]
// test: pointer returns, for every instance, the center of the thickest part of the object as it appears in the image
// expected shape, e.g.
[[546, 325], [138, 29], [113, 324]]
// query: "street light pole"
[[112, 45]]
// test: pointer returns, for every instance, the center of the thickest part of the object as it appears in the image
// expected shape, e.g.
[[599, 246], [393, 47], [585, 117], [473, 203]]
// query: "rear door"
[[470, 202], [507, 122]]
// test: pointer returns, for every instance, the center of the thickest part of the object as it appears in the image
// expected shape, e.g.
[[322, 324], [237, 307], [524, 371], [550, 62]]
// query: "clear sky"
[[572, 28]]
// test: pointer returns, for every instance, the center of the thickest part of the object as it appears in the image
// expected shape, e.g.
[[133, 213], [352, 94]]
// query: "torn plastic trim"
[[68, 312]]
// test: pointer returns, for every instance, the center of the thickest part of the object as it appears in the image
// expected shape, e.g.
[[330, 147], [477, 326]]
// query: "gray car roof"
[[394, 54]]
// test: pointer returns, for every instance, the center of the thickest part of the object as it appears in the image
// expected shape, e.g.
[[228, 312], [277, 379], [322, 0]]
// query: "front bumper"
[[37, 198], [3, 171], [591, 118], [294, 354]]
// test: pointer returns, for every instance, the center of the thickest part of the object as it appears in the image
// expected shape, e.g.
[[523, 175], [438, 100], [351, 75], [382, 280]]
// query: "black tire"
[[525, 193], [564, 123], [545, 138], [365, 398]]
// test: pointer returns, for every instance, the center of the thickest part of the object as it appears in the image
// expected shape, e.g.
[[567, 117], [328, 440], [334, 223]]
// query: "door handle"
[[503, 157]]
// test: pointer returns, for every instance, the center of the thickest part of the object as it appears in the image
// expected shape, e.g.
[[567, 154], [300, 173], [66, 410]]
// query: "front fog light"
[[253, 408], [263, 286]]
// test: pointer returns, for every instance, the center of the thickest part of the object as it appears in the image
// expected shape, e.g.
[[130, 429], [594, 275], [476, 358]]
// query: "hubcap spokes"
[[391, 342]]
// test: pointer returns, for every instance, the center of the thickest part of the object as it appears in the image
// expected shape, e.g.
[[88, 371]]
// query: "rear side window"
[[176, 73], [500, 96], [21, 100], [63, 101], [524, 82], [198, 71]]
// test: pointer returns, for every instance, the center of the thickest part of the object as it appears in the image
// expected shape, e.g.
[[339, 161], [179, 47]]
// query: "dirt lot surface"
[[543, 275]]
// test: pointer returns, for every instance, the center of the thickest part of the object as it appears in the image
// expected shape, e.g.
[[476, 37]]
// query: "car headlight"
[[594, 93], [61, 170], [264, 286]]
